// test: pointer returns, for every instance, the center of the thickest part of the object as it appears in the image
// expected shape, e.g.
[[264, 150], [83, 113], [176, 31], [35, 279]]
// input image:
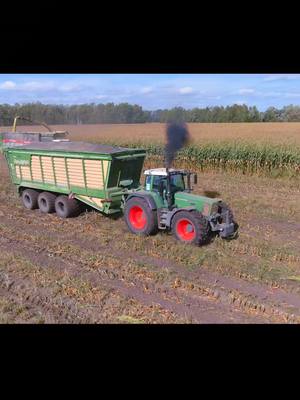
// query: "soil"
[[83, 270]]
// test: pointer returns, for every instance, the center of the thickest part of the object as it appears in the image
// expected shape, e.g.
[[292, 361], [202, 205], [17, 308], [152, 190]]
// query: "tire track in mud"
[[60, 308], [244, 295], [43, 301], [192, 308], [39, 303]]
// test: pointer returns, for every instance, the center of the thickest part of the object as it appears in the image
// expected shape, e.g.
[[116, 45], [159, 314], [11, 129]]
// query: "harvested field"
[[274, 133], [90, 269]]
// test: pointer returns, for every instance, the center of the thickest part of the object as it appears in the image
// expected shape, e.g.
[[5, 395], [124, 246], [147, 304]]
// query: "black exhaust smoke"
[[177, 136]]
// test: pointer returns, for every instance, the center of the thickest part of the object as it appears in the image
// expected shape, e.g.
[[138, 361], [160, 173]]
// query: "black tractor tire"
[[139, 217], [30, 199], [191, 227], [223, 208], [67, 208], [46, 202]]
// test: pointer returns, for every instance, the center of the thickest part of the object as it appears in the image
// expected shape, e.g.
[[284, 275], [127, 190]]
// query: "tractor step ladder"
[[162, 217]]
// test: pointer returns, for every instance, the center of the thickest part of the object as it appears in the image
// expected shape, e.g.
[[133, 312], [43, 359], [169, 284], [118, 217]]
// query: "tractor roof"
[[163, 171]]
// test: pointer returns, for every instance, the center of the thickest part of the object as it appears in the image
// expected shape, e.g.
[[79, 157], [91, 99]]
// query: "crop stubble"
[[136, 280]]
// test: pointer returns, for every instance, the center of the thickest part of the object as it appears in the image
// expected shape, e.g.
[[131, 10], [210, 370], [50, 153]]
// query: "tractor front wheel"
[[191, 227], [139, 218]]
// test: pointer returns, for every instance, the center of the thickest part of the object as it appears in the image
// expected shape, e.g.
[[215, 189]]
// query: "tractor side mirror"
[[195, 179]]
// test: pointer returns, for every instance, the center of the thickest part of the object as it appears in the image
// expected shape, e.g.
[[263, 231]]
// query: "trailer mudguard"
[[149, 199]]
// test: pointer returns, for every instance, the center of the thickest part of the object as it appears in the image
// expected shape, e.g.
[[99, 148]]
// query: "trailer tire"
[[46, 202], [30, 199], [191, 227], [66, 208], [139, 217]]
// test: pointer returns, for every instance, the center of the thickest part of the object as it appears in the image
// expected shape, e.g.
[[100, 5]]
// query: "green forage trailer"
[[60, 176], [91, 173]]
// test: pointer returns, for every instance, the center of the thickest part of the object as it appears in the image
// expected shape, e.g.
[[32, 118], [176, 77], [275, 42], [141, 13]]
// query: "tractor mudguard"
[[171, 214], [149, 199]]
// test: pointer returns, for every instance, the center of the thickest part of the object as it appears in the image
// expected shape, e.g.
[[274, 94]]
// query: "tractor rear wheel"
[[30, 199], [139, 218], [66, 208], [46, 202], [191, 227]]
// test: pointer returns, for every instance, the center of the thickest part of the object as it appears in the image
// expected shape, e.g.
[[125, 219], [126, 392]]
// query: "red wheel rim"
[[137, 217], [185, 229]]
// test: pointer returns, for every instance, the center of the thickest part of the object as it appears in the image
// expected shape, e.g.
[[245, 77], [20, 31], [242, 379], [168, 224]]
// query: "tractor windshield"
[[176, 182]]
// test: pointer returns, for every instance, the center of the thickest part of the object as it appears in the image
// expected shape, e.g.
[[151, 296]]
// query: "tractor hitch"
[[224, 229]]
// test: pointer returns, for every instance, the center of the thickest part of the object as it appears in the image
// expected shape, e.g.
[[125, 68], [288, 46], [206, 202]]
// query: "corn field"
[[248, 148], [248, 158]]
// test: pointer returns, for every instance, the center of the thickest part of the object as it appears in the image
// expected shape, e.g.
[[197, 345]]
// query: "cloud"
[[280, 77], [70, 87], [7, 85], [41, 86], [270, 94], [240, 102], [288, 94], [33, 86], [186, 90], [246, 91], [147, 89]]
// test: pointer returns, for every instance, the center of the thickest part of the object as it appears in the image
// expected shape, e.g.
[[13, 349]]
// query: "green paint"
[[183, 199], [120, 165]]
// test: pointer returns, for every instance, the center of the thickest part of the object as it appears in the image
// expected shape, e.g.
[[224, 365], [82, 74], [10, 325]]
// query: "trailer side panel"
[[86, 176]]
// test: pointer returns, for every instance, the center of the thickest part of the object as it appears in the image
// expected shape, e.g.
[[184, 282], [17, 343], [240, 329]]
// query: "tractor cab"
[[157, 179], [168, 181]]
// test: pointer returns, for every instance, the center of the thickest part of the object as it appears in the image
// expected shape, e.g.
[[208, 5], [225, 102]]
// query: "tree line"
[[127, 113]]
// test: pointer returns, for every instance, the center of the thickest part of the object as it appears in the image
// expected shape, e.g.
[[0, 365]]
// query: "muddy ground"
[[90, 269]]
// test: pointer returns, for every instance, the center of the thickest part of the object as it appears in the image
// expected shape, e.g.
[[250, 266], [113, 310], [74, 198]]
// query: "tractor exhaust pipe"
[[169, 194]]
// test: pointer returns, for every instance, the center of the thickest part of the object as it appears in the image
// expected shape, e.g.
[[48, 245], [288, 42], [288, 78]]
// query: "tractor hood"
[[201, 203]]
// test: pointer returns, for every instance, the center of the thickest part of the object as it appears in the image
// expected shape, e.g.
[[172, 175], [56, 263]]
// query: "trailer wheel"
[[30, 199], [46, 202], [139, 218], [66, 208], [191, 227]]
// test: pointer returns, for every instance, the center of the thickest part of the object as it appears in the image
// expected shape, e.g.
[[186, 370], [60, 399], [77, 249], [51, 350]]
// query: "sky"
[[153, 91]]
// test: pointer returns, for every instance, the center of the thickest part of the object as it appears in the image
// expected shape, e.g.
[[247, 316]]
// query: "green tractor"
[[166, 202]]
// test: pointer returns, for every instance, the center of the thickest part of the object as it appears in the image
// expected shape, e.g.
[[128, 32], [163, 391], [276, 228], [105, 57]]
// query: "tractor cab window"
[[158, 181], [177, 182], [148, 182]]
